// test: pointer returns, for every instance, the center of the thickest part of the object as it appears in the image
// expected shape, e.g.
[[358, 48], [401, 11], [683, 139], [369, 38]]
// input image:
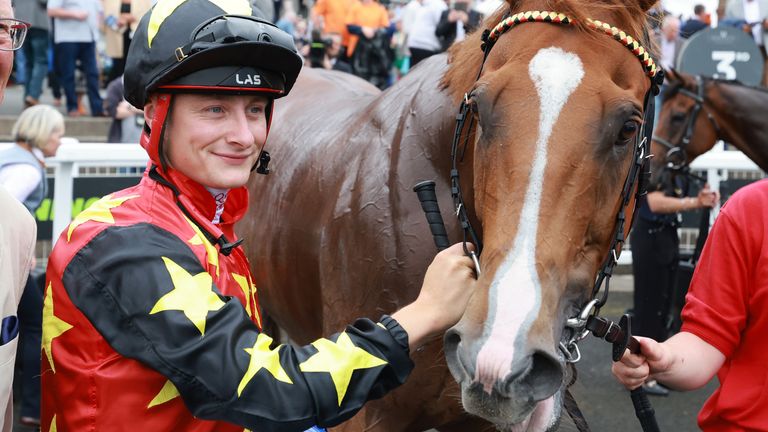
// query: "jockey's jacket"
[[151, 322]]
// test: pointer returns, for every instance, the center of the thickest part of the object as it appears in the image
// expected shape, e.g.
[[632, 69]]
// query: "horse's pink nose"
[[536, 376]]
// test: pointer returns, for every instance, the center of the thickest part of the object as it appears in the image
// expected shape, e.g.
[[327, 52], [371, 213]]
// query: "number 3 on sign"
[[725, 59]]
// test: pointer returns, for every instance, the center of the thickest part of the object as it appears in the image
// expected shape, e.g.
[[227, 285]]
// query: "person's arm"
[[127, 293], [445, 26], [125, 110], [355, 29], [683, 362], [61, 13], [660, 203], [20, 180], [439, 305]]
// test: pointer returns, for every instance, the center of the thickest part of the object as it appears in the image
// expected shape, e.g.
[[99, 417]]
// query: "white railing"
[[72, 155]]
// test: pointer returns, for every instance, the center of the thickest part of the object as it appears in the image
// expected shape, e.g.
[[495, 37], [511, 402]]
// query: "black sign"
[[85, 191], [724, 53]]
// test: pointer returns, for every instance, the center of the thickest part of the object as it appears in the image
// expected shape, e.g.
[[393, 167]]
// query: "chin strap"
[[262, 166], [225, 246]]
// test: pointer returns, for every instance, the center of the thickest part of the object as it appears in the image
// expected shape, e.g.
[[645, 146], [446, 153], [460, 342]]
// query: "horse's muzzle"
[[533, 378]]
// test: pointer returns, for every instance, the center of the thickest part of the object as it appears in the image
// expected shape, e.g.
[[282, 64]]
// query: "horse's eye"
[[628, 131]]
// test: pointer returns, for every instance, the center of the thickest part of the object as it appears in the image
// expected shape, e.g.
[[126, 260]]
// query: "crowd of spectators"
[[78, 47]]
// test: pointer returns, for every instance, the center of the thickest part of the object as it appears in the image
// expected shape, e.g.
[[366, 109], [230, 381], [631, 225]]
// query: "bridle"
[[587, 319], [634, 183], [676, 157]]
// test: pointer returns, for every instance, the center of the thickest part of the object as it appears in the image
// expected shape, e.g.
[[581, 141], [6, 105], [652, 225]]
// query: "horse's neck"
[[426, 117], [740, 113]]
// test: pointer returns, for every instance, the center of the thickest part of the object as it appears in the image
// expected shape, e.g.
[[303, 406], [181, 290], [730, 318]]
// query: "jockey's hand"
[[634, 369], [448, 286]]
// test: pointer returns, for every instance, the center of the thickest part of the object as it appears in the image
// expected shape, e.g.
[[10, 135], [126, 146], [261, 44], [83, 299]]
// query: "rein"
[[587, 319]]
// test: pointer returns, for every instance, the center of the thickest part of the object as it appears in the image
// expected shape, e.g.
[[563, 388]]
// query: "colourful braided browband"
[[558, 18]]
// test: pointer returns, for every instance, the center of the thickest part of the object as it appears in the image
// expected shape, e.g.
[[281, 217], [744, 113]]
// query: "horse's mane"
[[464, 58], [737, 83], [674, 86]]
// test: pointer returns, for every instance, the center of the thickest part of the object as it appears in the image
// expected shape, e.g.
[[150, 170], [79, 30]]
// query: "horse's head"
[[558, 110], [685, 128]]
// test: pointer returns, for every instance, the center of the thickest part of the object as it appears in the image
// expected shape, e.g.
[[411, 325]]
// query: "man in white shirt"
[[75, 34], [422, 41], [755, 14], [669, 41]]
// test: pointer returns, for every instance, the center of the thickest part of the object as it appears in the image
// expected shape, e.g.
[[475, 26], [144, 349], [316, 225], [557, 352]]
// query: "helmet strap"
[[152, 142], [262, 164]]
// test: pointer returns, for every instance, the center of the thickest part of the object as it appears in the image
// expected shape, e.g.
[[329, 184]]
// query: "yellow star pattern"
[[242, 281], [98, 212], [248, 290], [340, 359], [53, 326], [210, 250], [263, 358], [163, 9], [53, 424], [192, 295], [168, 392]]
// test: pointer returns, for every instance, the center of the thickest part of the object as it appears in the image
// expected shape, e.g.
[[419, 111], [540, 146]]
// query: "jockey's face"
[[216, 139]]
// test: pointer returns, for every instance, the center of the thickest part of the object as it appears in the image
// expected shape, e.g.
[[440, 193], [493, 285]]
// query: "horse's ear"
[[512, 4], [671, 74], [645, 5]]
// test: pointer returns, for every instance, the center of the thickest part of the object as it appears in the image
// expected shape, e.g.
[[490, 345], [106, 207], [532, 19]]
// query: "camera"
[[318, 48], [460, 6]]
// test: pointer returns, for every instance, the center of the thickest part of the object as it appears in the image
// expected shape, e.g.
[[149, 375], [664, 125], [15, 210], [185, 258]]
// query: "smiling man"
[[17, 236], [151, 318]]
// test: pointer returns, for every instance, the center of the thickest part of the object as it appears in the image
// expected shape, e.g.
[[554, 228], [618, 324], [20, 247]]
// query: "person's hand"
[[453, 15], [369, 32], [707, 197], [80, 15], [125, 19], [448, 285], [462, 16], [634, 369]]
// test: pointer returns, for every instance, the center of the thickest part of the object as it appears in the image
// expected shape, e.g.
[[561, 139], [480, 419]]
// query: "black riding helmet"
[[193, 46], [199, 45]]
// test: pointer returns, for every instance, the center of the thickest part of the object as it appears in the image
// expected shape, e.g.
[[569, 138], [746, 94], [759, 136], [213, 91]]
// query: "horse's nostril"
[[452, 339], [546, 375], [451, 343]]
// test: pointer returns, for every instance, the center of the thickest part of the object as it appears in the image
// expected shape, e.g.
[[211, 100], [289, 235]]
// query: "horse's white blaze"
[[515, 293]]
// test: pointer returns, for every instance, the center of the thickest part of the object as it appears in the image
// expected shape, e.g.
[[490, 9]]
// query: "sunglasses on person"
[[12, 33]]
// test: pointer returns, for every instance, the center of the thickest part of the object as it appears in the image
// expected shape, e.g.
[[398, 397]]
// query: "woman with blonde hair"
[[37, 133]]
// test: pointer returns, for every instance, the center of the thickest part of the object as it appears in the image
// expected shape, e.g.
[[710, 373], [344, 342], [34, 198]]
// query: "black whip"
[[426, 192]]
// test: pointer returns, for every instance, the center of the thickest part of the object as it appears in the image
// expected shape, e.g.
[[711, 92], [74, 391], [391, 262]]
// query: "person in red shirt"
[[151, 319], [724, 323]]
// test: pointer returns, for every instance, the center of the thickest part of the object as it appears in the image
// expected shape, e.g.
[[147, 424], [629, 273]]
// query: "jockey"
[[151, 316]]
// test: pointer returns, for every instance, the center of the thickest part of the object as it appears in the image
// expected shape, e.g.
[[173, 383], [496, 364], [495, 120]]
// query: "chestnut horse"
[[697, 112], [335, 232]]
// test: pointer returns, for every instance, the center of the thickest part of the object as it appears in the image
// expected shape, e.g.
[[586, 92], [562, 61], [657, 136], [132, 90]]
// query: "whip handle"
[[426, 192]]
